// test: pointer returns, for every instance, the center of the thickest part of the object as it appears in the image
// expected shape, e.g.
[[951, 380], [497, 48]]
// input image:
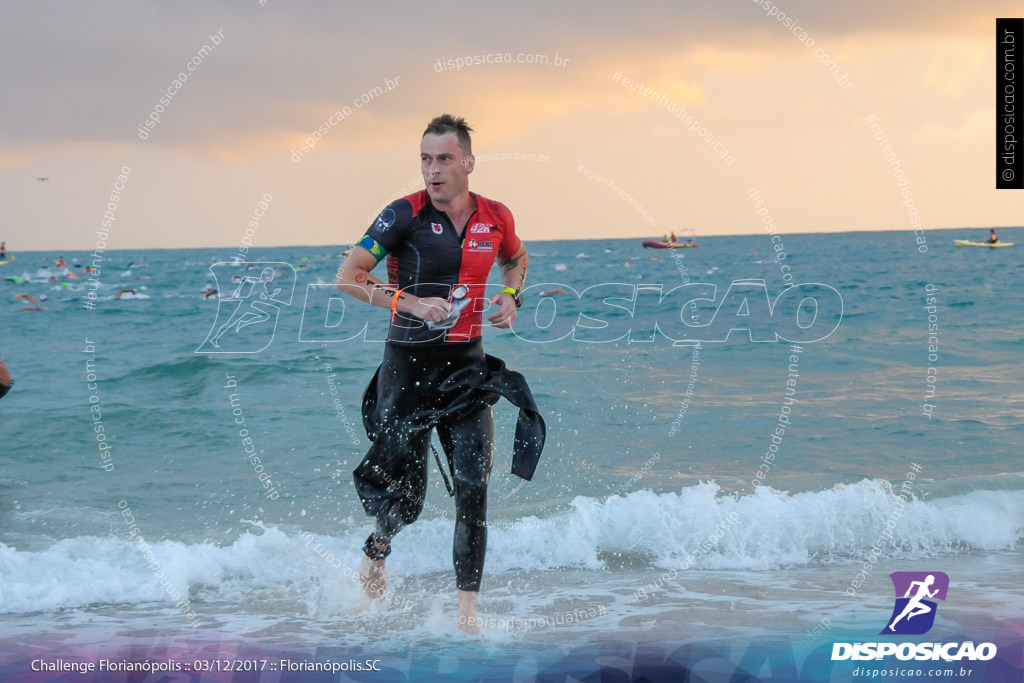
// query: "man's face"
[[445, 167]]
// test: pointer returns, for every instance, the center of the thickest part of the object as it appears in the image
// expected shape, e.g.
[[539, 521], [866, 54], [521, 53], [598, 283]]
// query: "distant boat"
[[991, 245], [658, 244]]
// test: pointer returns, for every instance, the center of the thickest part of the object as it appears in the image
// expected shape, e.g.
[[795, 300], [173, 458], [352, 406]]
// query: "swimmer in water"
[[32, 300]]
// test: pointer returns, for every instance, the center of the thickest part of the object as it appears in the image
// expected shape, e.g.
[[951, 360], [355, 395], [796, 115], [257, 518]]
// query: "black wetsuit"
[[440, 379]]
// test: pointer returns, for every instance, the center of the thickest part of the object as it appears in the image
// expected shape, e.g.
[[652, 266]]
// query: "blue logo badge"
[[914, 613]]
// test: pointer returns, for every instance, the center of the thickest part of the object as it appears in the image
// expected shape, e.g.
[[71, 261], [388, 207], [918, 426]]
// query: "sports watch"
[[517, 295]]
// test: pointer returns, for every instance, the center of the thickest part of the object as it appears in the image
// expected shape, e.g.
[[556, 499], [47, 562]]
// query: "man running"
[[441, 244]]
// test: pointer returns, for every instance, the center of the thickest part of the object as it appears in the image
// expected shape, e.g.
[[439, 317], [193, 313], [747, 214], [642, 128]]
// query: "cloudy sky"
[[79, 79]]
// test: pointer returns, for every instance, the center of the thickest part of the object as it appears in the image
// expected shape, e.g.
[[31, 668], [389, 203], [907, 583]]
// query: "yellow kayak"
[[972, 243]]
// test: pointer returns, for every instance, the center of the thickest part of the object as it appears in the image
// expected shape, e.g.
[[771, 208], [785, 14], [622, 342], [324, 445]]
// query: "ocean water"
[[723, 494]]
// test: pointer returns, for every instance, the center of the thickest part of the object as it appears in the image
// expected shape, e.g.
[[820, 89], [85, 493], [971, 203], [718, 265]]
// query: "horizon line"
[[580, 239]]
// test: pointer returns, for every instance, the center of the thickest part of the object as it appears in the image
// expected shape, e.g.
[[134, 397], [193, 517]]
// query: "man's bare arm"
[[354, 278], [513, 270], [513, 274]]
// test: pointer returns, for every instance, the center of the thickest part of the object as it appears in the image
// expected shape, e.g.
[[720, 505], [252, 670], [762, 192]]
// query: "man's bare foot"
[[373, 578], [467, 612]]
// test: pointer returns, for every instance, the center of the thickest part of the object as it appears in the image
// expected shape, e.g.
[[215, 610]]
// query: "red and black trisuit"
[[440, 378]]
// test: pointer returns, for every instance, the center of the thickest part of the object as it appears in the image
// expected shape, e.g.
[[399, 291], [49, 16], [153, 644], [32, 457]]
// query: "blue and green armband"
[[371, 245]]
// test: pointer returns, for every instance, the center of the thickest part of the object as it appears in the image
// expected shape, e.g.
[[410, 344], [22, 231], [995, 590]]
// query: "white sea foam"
[[769, 529]]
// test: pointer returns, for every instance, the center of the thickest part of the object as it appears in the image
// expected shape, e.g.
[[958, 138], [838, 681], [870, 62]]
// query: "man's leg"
[[373, 575], [469, 445], [391, 482]]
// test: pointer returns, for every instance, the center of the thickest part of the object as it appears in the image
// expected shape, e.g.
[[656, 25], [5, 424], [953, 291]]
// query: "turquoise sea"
[[730, 503]]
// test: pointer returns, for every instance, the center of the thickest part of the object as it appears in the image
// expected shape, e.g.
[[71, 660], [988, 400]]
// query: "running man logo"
[[913, 614], [254, 305]]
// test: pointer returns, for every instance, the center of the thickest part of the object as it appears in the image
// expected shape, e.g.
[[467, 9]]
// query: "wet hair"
[[446, 123]]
